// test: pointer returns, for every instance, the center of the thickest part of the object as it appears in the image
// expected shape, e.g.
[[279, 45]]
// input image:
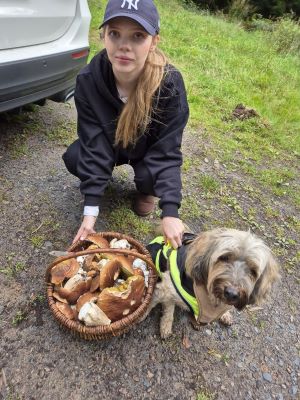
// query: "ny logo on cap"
[[131, 3]]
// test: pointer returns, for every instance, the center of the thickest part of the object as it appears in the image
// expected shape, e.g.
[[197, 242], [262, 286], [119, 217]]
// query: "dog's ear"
[[264, 284], [198, 258]]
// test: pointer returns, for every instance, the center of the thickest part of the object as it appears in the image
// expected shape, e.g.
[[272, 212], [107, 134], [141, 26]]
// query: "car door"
[[31, 22]]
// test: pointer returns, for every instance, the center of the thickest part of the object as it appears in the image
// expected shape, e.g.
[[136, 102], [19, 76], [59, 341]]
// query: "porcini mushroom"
[[66, 310], [63, 270], [119, 301], [126, 266], [85, 298], [74, 291], [92, 315], [119, 244], [100, 241], [109, 273]]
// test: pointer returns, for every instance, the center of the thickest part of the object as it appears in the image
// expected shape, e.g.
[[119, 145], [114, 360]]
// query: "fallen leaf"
[[186, 342]]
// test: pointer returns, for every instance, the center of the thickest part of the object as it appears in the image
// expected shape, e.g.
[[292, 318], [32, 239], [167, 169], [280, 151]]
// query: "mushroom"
[[98, 240], [119, 244], [63, 270], [119, 301], [59, 298], [138, 271], [85, 298], [66, 310], [92, 315], [73, 291], [95, 282], [126, 266], [109, 273]]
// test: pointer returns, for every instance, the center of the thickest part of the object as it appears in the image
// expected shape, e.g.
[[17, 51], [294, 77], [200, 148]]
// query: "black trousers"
[[142, 178]]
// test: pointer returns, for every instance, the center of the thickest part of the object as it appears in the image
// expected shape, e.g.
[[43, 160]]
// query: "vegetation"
[[267, 8]]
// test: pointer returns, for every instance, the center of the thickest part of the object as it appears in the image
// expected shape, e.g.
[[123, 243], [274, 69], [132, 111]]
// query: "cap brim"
[[148, 27]]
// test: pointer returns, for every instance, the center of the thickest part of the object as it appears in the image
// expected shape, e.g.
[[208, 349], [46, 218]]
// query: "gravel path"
[[40, 207]]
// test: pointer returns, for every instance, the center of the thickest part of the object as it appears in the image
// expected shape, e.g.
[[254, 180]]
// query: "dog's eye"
[[253, 273], [224, 258]]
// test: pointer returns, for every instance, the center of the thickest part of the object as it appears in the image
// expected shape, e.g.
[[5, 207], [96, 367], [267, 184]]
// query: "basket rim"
[[117, 327]]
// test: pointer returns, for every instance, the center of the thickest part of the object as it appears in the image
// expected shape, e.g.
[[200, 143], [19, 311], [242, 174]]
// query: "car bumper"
[[43, 77]]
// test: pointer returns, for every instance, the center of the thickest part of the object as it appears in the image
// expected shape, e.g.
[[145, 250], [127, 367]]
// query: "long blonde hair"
[[136, 114]]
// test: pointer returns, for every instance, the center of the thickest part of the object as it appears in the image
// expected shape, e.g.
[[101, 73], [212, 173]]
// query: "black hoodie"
[[159, 149]]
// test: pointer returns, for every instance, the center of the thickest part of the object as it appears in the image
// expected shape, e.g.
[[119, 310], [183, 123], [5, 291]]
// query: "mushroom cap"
[[109, 273], [66, 310], [63, 270], [98, 240], [117, 302], [85, 298], [92, 315], [72, 295], [95, 283], [126, 265]]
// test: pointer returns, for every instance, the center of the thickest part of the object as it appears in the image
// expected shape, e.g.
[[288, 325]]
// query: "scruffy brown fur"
[[234, 268]]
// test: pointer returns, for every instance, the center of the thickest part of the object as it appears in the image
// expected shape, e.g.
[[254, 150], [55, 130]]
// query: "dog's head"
[[236, 267]]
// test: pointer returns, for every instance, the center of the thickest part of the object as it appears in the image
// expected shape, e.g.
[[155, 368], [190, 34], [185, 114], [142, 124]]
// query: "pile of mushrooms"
[[100, 288]]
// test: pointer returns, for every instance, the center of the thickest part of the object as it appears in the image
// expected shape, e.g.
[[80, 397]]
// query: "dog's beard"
[[230, 284]]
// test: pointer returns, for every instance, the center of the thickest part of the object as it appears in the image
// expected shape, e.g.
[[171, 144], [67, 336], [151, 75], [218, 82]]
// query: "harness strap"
[[164, 257]]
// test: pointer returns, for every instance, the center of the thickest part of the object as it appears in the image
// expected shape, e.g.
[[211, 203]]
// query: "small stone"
[[294, 390], [146, 383], [48, 245], [296, 361], [258, 384], [253, 367], [208, 332], [267, 377], [150, 375]]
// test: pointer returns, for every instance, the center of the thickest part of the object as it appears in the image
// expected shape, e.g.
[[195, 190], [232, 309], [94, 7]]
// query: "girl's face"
[[127, 45]]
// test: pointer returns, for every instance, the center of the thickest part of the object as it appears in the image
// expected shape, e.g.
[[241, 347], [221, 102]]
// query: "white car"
[[43, 45]]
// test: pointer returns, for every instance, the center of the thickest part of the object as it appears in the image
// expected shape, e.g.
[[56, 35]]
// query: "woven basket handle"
[[97, 251]]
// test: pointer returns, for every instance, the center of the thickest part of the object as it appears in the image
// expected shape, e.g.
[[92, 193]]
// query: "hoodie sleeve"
[[96, 156], [164, 158]]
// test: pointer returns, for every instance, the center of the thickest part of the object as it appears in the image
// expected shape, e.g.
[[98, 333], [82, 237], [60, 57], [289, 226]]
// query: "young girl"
[[132, 109]]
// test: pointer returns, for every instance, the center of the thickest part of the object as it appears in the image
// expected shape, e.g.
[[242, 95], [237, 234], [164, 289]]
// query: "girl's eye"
[[113, 34], [138, 36]]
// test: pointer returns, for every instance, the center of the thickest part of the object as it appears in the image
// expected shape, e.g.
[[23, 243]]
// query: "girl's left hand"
[[173, 230]]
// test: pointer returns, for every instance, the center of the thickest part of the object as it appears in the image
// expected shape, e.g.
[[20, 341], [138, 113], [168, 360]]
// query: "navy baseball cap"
[[142, 11]]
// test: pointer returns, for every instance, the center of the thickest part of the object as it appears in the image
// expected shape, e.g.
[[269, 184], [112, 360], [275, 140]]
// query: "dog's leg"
[[226, 319], [156, 299], [166, 321]]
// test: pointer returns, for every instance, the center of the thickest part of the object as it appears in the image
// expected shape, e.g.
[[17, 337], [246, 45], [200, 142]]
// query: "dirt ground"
[[40, 207]]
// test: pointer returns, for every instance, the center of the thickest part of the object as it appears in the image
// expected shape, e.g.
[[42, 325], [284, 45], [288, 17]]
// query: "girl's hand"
[[86, 227], [173, 229]]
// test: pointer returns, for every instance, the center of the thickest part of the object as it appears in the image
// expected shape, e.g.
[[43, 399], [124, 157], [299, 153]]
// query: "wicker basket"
[[115, 328]]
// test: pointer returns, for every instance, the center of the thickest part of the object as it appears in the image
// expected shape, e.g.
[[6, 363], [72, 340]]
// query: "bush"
[[267, 8], [286, 35], [240, 10]]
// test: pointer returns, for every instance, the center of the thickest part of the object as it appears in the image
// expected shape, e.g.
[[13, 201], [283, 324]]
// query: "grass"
[[12, 267]]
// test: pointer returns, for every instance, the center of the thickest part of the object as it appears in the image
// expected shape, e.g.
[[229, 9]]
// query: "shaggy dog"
[[211, 273]]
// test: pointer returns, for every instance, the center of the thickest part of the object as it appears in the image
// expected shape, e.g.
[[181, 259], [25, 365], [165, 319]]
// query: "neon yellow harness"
[[170, 256]]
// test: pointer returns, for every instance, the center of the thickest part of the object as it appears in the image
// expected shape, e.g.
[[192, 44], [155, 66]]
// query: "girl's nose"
[[124, 44]]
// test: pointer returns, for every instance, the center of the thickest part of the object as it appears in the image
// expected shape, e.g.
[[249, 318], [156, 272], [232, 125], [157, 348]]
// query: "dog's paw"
[[226, 319], [165, 330], [196, 325]]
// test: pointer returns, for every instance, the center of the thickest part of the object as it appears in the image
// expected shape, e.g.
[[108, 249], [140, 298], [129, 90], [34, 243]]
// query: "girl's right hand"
[[86, 228]]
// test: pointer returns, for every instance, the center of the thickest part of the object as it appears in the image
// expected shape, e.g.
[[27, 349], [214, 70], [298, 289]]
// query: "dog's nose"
[[231, 293]]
